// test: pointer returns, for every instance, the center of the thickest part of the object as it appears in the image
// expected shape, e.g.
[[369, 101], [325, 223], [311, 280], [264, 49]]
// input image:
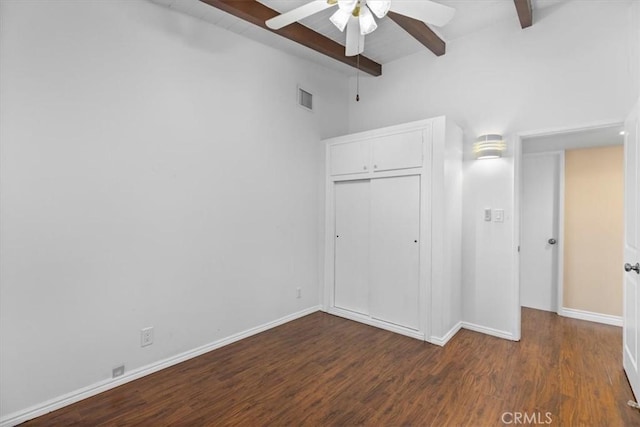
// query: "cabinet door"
[[352, 157], [351, 291], [395, 269], [400, 151]]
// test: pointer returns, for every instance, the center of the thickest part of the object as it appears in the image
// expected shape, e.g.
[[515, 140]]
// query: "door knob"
[[628, 267], [552, 241]]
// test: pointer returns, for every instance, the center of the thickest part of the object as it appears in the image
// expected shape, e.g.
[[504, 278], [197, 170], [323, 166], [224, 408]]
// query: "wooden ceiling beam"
[[257, 13], [525, 12], [421, 32]]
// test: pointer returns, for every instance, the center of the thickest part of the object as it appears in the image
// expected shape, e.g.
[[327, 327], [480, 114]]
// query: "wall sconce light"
[[489, 147]]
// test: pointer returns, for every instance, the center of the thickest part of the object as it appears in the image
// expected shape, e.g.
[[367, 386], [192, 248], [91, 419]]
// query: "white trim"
[[426, 231], [441, 341], [329, 230], [543, 153], [560, 238], [104, 385], [489, 331], [371, 321], [386, 131], [373, 175], [559, 130], [515, 247], [590, 316]]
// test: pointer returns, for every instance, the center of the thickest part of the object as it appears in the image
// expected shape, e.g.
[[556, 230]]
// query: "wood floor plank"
[[322, 370]]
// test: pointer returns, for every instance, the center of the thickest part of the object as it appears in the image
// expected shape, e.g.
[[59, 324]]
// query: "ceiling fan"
[[357, 16]]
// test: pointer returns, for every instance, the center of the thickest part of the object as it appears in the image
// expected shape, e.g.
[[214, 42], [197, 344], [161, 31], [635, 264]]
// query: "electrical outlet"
[[298, 292], [117, 371], [146, 336]]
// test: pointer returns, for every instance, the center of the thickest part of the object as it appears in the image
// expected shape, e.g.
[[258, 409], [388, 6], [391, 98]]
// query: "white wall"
[[156, 171], [577, 64], [634, 23]]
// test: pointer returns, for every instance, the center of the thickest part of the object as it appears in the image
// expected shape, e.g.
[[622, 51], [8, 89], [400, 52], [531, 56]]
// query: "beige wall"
[[593, 230]]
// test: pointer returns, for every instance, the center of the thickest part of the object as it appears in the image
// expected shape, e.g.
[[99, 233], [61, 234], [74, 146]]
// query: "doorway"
[[548, 234]]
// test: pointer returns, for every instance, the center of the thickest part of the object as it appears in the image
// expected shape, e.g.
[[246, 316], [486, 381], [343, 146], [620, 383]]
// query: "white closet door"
[[352, 202], [395, 230]]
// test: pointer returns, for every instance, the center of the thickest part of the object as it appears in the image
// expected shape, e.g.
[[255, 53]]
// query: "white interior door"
[[631, 251], [539, 236], [352, 202], [395, 270]]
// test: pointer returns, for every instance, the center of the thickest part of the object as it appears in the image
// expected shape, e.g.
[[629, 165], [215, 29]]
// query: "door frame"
[[560, 218], [517, 190]]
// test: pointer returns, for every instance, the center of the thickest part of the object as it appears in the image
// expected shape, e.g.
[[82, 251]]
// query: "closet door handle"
[[552, 241]]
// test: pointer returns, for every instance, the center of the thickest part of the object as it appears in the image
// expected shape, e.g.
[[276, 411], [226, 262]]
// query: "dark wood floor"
[[324, 370]]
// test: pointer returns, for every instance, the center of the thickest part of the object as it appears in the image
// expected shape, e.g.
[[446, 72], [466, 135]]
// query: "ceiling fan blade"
[[426, 11], [355, 41], [298, 13]]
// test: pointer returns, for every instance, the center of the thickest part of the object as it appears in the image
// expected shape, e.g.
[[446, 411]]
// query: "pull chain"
[[358, 74]]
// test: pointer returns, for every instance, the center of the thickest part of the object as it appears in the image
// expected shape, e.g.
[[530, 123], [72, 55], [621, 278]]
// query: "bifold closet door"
[[394, 255], [351, 281]]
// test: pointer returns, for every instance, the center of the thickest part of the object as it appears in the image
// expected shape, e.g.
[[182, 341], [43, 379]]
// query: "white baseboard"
[[102, 386], [590, 316], [489, 331], [441, 341]]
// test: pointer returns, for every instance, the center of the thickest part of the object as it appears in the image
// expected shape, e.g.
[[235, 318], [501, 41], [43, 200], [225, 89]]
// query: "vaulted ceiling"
[[395, 37]]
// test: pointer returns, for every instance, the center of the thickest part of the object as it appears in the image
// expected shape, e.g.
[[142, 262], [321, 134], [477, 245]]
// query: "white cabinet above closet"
[[393, 228], [349, 158], [401, 150], [398, 151]]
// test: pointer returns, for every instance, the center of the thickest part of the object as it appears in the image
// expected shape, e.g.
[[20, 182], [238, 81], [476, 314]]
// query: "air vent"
[[305, 99]]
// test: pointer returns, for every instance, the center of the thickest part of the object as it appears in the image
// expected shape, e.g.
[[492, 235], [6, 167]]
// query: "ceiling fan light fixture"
[[347, 5], [340, 18], [379, 7], [367, 22]]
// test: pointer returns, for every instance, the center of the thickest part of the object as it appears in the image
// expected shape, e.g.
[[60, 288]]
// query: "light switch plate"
[[498, 215], [487, 214]]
